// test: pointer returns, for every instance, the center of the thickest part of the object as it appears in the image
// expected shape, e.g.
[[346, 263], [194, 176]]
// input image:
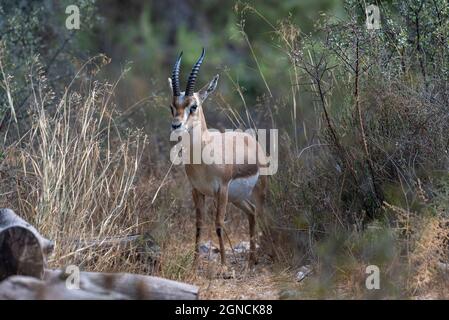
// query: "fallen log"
[[95, 286], [29, 288], [133, 286], [23, 273], [22, 248]]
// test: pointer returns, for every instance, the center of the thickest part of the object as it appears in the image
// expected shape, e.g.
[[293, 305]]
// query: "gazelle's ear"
[[209, 88], [170, 85]]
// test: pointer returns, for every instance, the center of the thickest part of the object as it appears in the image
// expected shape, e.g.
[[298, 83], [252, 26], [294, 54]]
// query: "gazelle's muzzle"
[[176, 124]]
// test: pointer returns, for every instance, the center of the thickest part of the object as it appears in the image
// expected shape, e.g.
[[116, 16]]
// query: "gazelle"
[[240, 184]]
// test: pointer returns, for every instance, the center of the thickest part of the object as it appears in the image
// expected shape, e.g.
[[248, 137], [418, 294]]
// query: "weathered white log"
[[134, 286], [94, 285], [22, 248], [29, 288]]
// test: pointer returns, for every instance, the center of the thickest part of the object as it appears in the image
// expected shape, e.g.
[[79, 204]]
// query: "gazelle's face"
[[186, 112], [186, 106]]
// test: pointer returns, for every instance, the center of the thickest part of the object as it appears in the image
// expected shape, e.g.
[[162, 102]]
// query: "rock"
[[208, 250], [303, 272], [243, 247]]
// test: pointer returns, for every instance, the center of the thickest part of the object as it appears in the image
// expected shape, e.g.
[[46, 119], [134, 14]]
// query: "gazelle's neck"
[[199, 137], [204, 131]]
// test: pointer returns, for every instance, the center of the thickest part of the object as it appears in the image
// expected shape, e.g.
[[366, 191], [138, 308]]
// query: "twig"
[[162, 183]]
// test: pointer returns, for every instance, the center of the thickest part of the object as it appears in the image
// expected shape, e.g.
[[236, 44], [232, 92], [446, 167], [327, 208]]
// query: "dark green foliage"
[[33, 37]]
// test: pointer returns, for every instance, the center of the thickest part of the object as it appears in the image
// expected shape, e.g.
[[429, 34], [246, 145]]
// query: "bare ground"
[[236, 280]]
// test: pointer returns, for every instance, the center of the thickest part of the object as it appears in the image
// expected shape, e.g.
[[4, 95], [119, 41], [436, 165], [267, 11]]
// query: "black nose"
[[176, 126]]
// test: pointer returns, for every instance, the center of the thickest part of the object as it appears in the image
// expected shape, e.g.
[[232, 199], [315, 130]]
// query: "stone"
[[303, 272]]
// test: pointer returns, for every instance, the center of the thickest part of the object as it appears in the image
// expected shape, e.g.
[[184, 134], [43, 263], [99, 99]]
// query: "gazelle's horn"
[[175, 76], [193, 74]]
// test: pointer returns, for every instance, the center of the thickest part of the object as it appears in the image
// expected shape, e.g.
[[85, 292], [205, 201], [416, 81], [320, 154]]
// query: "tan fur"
[[215, 180]]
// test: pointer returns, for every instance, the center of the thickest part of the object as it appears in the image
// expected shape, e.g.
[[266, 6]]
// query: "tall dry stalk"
[[75, 172]]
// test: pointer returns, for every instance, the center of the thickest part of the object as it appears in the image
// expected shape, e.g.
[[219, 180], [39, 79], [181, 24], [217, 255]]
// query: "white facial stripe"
[[181, 97]]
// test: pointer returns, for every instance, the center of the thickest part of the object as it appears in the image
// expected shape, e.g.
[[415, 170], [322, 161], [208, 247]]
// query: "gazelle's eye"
[[172, 109], [193, 108]]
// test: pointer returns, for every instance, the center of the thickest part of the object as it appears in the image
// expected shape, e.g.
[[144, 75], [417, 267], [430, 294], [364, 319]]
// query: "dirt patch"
[[236, 280]]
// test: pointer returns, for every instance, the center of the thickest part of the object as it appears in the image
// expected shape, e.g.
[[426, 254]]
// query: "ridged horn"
[[190, 89], [175, 76]]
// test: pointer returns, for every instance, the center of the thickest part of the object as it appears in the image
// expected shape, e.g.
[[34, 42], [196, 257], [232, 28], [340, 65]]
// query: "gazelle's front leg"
[[222, 201], [199, 201]]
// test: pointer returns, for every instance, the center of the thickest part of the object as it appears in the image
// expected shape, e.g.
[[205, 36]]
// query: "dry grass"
[[73, 174]]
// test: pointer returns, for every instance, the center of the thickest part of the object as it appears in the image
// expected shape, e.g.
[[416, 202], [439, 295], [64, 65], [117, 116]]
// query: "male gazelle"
[[226, 182]]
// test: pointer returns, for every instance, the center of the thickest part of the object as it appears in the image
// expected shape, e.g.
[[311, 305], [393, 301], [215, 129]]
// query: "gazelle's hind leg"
[[222, 201], [250, 211], [258, 197]]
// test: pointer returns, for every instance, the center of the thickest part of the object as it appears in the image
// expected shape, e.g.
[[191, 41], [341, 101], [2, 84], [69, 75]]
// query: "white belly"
[[241, 188]]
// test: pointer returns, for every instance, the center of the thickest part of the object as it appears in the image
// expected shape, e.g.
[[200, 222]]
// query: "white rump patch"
[[241, 188]]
